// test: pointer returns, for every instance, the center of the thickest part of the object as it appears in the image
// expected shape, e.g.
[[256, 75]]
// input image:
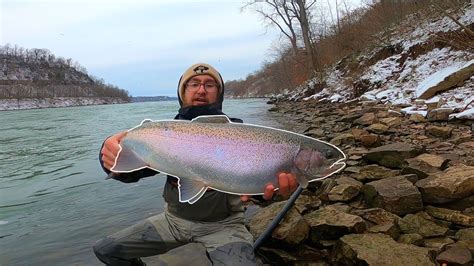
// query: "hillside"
[[36, 79], [411, 57]]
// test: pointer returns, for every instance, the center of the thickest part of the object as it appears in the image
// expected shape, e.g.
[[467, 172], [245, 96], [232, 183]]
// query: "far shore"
[[60, 102], [34, 103]]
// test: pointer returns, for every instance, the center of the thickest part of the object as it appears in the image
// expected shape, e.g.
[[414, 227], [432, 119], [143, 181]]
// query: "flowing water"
[[54, 201]]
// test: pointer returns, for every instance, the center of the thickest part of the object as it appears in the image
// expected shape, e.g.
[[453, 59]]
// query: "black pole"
[[278, 218]]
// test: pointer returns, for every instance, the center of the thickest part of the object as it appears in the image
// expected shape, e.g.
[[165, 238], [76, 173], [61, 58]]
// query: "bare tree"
[[290, 16], [277, 13]]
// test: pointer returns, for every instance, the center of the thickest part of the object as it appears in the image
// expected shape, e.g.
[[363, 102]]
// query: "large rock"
[[292, 230], [455, 183], [413, 239], [378, 249], [425, 164], [344, 138], [374, 172], [366, 119], [456, 255], [380, 221], [391, 121], [437, 243], [451, 216], [393, 155], [307, 203], [440, 132], [460, 205], [417, 118], [440, 114], [465, 234], [394, 194], [304, 255], [346, 189], [377, 128], [331, 224], [452, 77], [370, 140], [421, 224]]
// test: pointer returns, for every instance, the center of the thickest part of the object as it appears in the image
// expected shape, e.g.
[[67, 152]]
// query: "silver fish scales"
[[213, 152]]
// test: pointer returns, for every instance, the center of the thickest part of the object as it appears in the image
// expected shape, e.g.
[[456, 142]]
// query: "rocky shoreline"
[[405, 198], [33, 103]]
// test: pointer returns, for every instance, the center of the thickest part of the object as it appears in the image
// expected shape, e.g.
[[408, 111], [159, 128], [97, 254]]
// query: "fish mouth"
[[336, 167]]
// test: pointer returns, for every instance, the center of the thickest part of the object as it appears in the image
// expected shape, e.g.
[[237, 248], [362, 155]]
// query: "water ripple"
[[68, 175], [18, 204], [80, 185]]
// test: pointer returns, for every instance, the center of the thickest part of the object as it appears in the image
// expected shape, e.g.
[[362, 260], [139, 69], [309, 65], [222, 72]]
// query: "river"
[[54, 200]]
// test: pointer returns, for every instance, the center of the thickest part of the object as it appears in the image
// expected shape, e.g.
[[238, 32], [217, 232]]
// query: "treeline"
[[37, 73], [314, 38], [40, 56]]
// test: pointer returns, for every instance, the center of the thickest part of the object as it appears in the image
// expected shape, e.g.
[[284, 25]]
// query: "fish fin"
[[128, 161], [300, 177], [302, 180], [190, 190], [147, 120], [217, 119]]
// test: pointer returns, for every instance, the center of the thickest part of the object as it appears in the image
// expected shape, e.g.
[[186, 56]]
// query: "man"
[[215, 220]]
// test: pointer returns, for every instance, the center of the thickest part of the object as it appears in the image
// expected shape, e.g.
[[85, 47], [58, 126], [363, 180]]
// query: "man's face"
[[200, 90]]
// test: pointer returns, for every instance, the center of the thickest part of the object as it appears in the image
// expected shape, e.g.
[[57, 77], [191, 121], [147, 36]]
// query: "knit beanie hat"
[[200, 69]]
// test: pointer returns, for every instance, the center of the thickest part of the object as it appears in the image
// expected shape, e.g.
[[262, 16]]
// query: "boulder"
[[425, 164], [394, 194], [455, 183], [344, 138], [456, 255], [380, 221], [460, 205], [413, 239], [377, 249], [417, 118], [370, 140], [440, 132], [465, 234], [307, 203], [437, 243], [358, 133], [453, 216], [452, 77], [366, 119], [421, 224], [292, 230], [377, 128], [393, 155], [346, 189], [440, 114], [374, 172], [303, 256], [331, 223], [391, 121]]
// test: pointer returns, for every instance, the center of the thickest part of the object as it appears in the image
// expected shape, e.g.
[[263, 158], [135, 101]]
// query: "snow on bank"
[[439, 76], [13, 104], [401, 78]]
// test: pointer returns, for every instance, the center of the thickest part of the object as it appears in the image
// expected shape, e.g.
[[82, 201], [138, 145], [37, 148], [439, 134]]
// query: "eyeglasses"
[[208, 86]]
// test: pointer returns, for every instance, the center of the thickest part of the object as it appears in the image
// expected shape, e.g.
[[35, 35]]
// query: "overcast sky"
[[142, 46]]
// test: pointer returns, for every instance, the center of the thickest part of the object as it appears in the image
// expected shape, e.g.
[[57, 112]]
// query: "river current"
[[54, 200]]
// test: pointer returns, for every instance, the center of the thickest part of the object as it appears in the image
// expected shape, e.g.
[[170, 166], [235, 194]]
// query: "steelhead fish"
[[213, 152]]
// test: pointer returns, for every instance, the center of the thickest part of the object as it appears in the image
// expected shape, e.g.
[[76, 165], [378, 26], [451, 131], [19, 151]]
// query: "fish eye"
[[328, 154]]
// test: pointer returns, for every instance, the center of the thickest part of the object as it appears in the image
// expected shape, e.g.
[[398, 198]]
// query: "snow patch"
[[439, 76]]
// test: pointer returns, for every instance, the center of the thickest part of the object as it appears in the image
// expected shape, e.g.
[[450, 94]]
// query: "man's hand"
[[111, 148], [286, 182]]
